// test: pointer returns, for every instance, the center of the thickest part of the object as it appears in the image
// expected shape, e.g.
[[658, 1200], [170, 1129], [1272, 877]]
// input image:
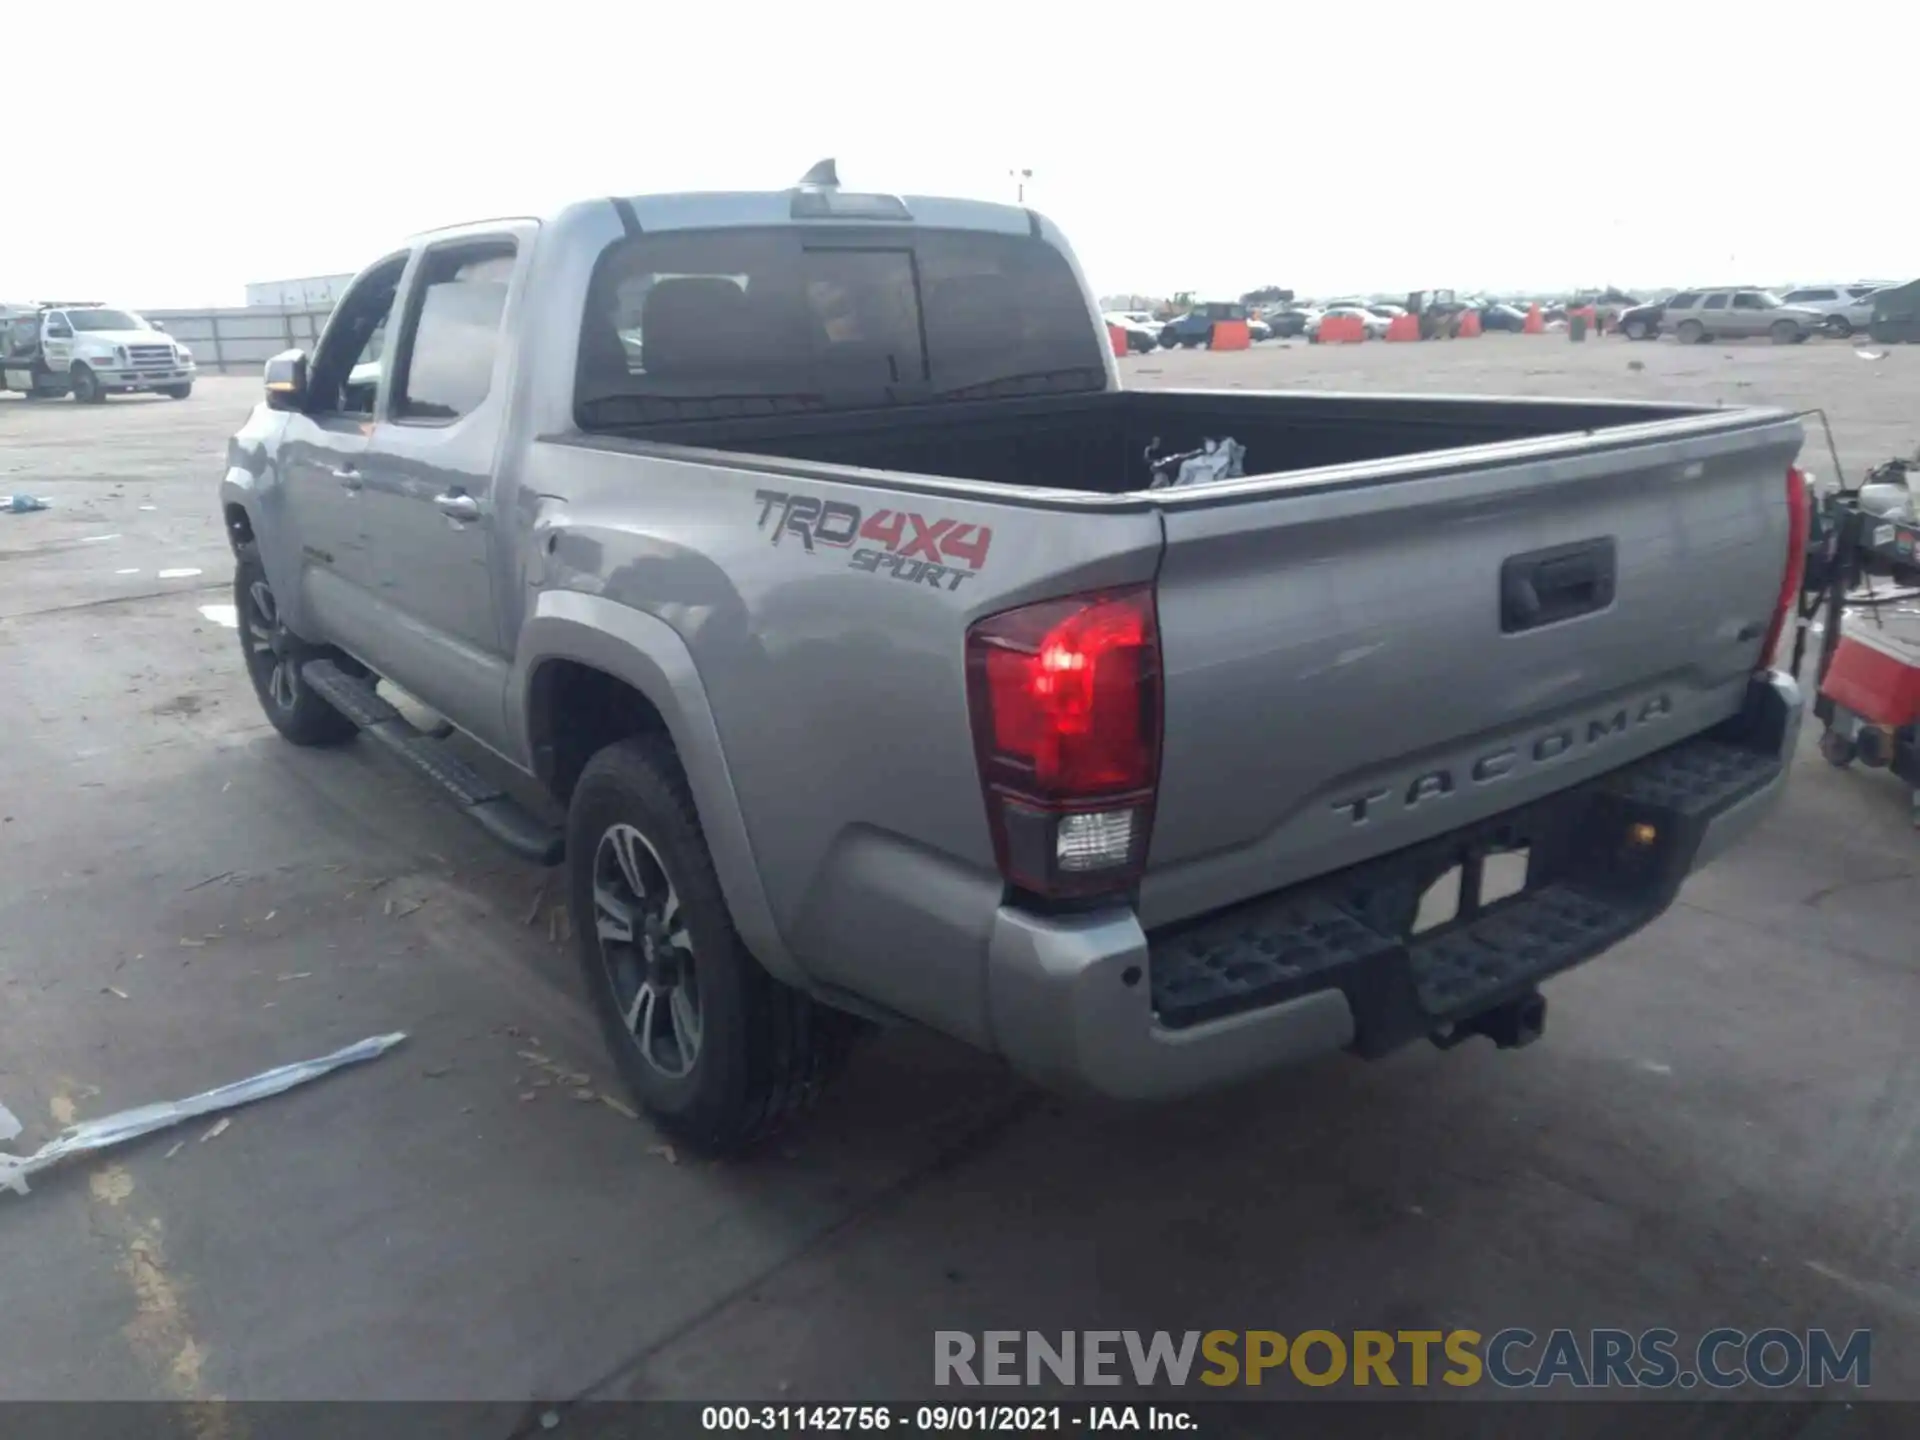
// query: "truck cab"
[[91, 351]]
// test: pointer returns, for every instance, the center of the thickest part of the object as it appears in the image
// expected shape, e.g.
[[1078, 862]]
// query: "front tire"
[[1692, 332], [1635, 330], [274, 656], [177, 392], [86, 386], [717, 1052], [1783, 332]]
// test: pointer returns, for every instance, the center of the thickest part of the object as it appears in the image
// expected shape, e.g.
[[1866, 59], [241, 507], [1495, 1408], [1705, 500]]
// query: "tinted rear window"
[[690, 324]]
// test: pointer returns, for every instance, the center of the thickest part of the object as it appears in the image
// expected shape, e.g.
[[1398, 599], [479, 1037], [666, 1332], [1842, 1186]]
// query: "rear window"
[[1801, 297], [709, 324]]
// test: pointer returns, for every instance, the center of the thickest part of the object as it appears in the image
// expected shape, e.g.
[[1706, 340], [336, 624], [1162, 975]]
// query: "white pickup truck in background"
[[90, 352]]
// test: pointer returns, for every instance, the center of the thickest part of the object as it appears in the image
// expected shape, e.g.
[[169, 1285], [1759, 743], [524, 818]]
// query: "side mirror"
[[287, 380]]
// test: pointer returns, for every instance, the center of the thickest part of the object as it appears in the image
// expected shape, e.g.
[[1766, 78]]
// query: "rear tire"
[[1838, 326], [1692, 332], [718, 1053], [86, 386], [274, 656], [1837, 750]]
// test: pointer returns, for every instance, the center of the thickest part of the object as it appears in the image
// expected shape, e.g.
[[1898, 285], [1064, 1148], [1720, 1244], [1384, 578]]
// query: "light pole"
[[1020, 178]]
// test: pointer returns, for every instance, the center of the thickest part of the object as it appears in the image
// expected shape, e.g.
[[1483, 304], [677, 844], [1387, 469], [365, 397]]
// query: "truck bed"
[[1094, 443]]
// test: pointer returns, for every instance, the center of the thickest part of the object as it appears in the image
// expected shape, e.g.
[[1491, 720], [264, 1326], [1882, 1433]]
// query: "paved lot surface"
[[1718, 1129]]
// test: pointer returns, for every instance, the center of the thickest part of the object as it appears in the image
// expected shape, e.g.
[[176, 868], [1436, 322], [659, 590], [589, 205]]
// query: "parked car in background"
[[1644, 322], [1143, 318], [1700, 315], [1258, 329], [90, 352], [1196, 326], [1288, 321], [1502, 317], [1140, 338], [1846, 308], [1376, 324], [1387, 311], [1896, 315]]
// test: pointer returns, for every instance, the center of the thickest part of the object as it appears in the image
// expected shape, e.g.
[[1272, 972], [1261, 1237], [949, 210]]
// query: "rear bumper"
[[1093, 1002]]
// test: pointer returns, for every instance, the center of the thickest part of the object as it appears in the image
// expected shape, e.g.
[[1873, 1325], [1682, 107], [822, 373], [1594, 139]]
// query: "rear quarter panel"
[[833, 665]]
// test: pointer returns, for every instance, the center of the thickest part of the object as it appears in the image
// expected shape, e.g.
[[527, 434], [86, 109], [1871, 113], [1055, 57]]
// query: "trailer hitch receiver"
[[1510, 1024]]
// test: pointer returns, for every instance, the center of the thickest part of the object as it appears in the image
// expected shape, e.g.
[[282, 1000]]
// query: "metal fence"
[[238, 342]]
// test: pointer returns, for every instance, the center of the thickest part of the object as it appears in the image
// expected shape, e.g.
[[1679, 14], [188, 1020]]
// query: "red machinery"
[[1869, 689]]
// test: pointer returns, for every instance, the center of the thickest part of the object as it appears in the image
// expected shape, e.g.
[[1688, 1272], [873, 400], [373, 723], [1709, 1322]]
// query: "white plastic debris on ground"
[[128, 1125]]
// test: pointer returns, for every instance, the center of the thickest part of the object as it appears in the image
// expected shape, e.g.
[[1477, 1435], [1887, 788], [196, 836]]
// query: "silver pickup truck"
[[803, 547]]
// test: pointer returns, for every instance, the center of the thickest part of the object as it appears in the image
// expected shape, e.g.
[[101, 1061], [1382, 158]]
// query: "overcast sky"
[[166, 155]]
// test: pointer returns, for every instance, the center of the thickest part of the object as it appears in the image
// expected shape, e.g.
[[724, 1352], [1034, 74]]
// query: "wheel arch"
[[592, 672]]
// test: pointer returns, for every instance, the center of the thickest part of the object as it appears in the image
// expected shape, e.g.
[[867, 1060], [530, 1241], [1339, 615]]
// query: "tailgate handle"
[[1544, 587]]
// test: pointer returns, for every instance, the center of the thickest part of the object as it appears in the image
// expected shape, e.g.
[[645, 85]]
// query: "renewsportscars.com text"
[[1513, 1358]]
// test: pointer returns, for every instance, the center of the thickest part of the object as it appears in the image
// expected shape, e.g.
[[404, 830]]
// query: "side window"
[[1860, 292], [453, 326], [1802, 297], [1685, 300], [1714, 302], [1748, 300], [58, 326], [346, 369]]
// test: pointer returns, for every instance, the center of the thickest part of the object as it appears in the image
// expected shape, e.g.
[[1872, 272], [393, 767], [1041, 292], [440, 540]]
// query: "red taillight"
[[1065, 700], [1799, 526]]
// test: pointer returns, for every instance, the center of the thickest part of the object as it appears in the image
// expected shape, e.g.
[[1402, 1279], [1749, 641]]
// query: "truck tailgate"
[[1360, 659]]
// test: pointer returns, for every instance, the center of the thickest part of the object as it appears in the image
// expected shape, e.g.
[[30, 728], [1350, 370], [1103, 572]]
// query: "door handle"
[[348, 476], [1548, 586], [458, 505]]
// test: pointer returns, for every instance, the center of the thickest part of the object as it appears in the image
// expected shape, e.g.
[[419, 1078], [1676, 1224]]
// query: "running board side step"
[[490, 807]]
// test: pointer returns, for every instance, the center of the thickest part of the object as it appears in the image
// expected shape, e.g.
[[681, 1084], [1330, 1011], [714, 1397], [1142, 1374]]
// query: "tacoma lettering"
[[1437, 784]]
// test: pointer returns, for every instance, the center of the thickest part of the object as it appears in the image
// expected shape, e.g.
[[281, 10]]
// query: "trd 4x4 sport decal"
[[905, 546]]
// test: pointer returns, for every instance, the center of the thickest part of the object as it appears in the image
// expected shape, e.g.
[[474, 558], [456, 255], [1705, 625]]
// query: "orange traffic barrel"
[[1231, 335]]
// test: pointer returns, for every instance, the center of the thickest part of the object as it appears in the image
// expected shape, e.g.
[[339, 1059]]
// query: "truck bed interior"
[[1095, 443]]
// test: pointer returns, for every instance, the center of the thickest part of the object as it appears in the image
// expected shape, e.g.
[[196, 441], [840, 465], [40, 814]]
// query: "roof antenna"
[[821, 177]]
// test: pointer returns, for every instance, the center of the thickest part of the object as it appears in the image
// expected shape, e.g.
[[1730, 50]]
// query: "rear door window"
[[708, 324], [1802, 297], [1686, 300], [1714, 302], [1749, 300]]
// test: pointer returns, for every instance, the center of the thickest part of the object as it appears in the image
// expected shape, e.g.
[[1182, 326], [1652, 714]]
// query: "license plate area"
[[1482, 878]]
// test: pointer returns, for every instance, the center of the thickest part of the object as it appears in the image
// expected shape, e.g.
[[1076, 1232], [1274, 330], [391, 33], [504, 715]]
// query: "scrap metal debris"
[[22, 504], [218, 1129], [665, 1152], [117, 1129]]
